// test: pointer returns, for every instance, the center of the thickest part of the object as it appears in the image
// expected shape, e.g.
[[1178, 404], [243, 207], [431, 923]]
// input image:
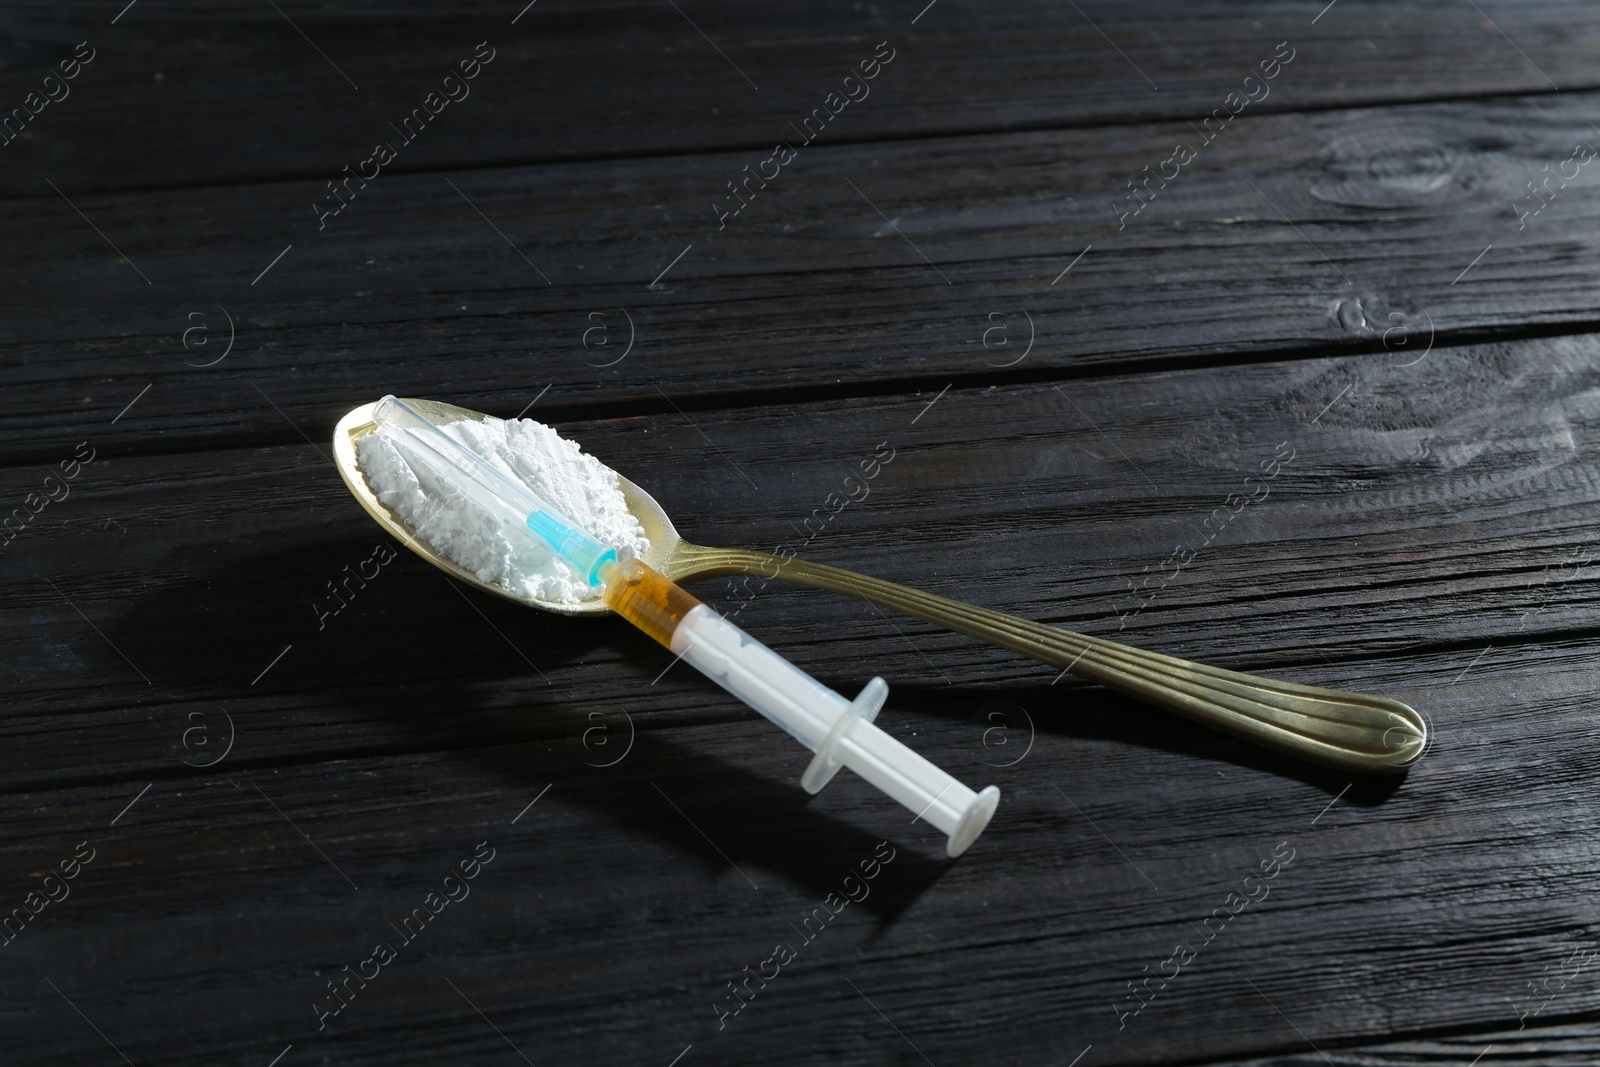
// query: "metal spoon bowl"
[[1353, 732], [664, 540]]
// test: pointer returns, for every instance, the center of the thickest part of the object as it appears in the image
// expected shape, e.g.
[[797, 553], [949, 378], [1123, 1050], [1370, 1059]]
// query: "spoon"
[[1352, 732]]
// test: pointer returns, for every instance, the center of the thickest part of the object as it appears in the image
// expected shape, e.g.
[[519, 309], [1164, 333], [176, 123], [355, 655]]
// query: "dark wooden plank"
[[268, 794], [1383, 246], [1446, 503], [189, 94], [607, 926], [1429, 511], [1558, 1043]]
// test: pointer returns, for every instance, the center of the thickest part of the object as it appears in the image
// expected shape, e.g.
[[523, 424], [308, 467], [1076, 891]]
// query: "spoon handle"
[[1349, 731]]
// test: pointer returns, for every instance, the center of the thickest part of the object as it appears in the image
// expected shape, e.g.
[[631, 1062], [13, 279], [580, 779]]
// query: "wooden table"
[[1082, 270]]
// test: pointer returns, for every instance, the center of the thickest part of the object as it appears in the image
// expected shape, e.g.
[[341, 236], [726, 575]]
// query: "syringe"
[[841, 732]]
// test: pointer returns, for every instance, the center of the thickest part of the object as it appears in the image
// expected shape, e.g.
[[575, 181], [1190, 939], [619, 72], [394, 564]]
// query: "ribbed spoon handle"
[[1349, 731]]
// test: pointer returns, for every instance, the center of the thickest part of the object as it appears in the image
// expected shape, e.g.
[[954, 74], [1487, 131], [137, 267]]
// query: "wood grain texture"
[[1447, 497], [1042, 926], [1324, 408], [1427, 513], [207, 93], [1555, 1043], [1399, 229]]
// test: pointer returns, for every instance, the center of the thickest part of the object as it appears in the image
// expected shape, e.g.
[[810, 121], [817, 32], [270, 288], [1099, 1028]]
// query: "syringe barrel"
[[802, 706], [647, 598]]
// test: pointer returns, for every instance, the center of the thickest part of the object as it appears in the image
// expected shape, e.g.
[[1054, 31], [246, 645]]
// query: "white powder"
[[578, 485]]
